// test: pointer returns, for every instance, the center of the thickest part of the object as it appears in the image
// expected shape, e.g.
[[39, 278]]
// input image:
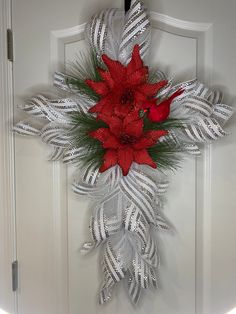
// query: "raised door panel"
[[219, 276]]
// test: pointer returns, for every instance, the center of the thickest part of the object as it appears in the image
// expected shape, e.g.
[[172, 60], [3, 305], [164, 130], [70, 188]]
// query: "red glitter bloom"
[[124, 89], [126, 142]]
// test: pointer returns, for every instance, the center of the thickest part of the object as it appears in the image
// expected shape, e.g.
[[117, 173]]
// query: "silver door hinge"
[[9, 45], [14, 269]]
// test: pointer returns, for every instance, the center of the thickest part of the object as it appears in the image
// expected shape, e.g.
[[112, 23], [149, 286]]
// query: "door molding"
[[203, 34], [58, 40], [8, 299]]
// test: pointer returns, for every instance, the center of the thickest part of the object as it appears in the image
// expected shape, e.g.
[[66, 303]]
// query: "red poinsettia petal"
[[116, 69], [137, 77], [125, 159], [106, 109], [136, 62], [155, 134], [112, 142], [99, 87], [105, 136], [104, 105], [139, 97], [101, 134], [133, 125], [149, 139], [142, 157], [122, 111], [115, 123], [106, 76], [98, 106], [152, 89], [144, 142], [110, 159]]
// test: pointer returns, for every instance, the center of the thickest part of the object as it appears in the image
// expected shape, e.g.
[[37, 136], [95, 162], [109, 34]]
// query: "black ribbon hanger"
[[127, 5]]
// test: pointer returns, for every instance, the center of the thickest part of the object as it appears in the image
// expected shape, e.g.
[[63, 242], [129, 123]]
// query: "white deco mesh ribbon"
[[127, 210], [124, 222], [115, 34]]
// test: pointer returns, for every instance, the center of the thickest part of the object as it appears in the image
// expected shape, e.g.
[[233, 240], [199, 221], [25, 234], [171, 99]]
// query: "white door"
[[197, 273]]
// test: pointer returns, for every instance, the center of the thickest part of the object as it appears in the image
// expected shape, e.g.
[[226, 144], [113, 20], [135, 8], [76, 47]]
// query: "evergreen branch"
[[164, 125], [85, 67], [87, 121], [98, 64], [93, 149], [82, 87], [95, 157], [166, 156], [84, 123]]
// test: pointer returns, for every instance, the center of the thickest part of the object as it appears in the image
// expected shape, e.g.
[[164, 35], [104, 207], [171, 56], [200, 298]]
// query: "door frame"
[[8, 249], [8, 298]]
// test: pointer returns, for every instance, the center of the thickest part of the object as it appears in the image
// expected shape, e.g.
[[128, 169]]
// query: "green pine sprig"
[[82, 87], [83, 124], [87, 121], [163, 125], [166, 156], [85, 67]]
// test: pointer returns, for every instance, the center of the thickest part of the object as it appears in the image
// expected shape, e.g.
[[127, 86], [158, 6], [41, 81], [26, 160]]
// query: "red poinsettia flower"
[[123, 88], [160, 112], [126, 142]]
